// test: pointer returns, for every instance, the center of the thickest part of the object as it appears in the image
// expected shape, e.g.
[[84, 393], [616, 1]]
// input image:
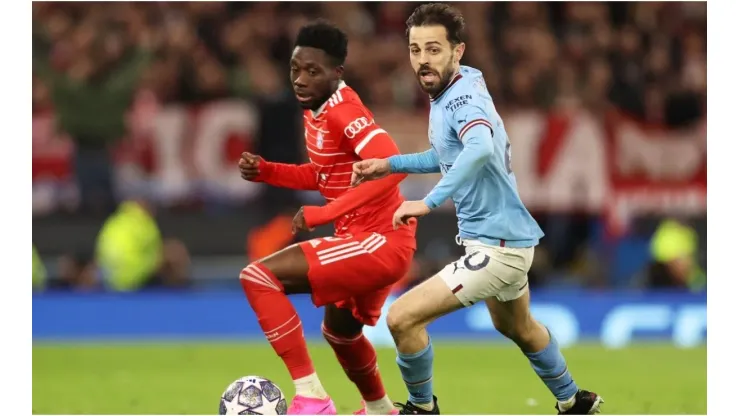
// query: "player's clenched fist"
[[299, 222], [249, 166], [370, 169], [409, 210]]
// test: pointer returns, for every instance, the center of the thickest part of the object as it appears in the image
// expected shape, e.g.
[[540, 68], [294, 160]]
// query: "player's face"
[[313, 76], [433, 58]]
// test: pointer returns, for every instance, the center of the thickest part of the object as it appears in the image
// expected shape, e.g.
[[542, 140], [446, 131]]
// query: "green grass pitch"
[[469, 378]]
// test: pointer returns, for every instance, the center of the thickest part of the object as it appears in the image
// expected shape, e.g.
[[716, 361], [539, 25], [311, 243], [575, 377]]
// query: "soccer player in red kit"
[[351, 273]]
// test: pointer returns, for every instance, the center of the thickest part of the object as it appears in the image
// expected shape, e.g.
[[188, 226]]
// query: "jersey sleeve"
[[359, 132], [283, 175], [467, 116], [465, 112]]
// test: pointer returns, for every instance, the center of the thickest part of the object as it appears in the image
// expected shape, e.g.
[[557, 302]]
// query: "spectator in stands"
[[75, 272], [92, 70], [674, 251], [132, 254]]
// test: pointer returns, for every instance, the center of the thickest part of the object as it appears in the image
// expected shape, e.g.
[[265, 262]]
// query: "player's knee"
[[257, 278], [399, 320], [504, 326]]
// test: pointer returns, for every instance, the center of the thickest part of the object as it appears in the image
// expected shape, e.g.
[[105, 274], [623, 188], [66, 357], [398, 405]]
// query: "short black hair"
[[439, 14], [324, 35]]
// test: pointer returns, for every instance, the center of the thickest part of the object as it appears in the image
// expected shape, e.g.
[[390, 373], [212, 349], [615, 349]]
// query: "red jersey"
[[341, 132]]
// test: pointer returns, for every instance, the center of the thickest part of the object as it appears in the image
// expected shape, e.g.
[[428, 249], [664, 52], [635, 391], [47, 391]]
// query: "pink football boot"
[[310, 406]]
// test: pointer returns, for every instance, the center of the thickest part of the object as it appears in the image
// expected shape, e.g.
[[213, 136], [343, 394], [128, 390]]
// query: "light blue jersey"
[[472, 150]]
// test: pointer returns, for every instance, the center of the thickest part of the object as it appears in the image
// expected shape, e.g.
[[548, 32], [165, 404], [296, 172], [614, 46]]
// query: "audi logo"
[[355, 127]]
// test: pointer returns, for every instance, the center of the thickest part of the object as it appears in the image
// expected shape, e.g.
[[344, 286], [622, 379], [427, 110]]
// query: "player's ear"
[[340, 70], [459, 51]]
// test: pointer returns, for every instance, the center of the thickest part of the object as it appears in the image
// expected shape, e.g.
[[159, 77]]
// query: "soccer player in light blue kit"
[[472, 150]]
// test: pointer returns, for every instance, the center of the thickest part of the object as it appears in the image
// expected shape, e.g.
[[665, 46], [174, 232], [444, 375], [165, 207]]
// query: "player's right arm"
[[371, 169], [424, 162], [253, 168]]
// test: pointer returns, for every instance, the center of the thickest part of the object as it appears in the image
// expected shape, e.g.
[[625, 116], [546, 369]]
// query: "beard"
[[441, 80]]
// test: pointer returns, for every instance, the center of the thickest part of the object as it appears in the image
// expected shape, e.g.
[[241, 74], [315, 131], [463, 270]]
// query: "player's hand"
[[249, 166], [408, 210], [370, 169], [299, 222]]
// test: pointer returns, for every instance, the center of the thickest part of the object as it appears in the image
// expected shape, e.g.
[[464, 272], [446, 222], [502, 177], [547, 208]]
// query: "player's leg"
[[355, 275], [407, 320], [266, 284], [472, 278], [511, 316], [356, 355]]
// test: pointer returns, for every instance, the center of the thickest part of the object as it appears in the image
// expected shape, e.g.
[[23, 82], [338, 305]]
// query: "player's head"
[[435, 33], [317, 63]]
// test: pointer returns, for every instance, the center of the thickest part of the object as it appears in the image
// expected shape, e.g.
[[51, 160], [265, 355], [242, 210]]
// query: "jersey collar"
[[320, 110], [458, 76]]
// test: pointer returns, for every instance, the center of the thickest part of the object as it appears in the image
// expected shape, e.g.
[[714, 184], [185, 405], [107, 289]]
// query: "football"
[[253, 395]]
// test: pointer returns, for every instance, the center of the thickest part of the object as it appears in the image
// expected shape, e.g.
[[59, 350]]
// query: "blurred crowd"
[[92, 60], [646, 58]]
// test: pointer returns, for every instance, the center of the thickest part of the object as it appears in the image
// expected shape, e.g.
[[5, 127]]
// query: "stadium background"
[[144, 108]]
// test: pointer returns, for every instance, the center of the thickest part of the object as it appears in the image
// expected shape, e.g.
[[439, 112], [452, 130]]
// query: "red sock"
[[358, 359], [278, 318]]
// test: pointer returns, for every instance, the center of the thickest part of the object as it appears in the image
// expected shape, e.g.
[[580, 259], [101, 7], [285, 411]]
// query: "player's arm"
[[283, 175], [476, 134], [368, 142], [424, 162]]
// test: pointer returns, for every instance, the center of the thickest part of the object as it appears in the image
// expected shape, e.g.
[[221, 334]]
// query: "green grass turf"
[[469, 378]]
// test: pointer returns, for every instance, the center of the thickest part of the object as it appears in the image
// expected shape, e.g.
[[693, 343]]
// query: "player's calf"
[[528, 334], [277, 318], [407, 320], [513, 319], [357, 357], [264, 283]]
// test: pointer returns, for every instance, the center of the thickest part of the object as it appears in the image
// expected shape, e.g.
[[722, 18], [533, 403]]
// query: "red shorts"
[[357, 272]]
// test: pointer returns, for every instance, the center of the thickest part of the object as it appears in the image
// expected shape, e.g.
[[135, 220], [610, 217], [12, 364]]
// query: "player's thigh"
[[290, 266], [343, 268], [422, 305], [489, 272]]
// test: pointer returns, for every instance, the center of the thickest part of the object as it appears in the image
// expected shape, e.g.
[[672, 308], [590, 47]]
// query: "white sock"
[[426, 406], [379, 407], [310, 386], [567, 404]]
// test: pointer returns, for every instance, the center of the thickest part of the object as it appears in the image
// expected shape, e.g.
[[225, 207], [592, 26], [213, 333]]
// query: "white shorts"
[[488, 271]]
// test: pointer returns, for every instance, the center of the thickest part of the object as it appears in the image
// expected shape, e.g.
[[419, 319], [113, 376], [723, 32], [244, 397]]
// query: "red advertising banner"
[[654, 170], [563, 162]]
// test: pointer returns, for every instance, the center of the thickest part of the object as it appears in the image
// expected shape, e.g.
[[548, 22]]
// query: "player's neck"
[[318, 111]]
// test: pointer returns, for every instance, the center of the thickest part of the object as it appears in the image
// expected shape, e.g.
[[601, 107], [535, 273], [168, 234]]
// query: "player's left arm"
[[369, 141], [474, 129]]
